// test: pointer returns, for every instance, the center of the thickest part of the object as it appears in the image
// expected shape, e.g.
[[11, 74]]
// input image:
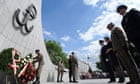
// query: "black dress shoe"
[[61, 81], [121, 80], [130, 82], [70, 81], [75, 81]]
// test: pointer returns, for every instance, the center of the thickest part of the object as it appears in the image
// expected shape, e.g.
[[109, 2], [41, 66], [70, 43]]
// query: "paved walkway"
[[91, 81]]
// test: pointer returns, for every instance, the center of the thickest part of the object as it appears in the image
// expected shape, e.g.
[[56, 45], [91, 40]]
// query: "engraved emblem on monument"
[[22, 21]]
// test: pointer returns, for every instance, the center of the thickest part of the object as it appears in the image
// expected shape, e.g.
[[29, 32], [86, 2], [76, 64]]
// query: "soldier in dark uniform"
[[106, 61], [70, 69], [113, 60], [131, 24]]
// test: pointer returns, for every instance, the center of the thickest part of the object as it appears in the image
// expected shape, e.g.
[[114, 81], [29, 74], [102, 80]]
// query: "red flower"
[[23, 80], [30, 78]]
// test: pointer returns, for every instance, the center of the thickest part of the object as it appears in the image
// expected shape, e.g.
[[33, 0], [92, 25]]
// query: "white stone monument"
[[21, 28]]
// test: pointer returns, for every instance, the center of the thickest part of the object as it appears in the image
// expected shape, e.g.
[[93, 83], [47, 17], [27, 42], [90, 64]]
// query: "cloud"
[[93, 51], [47, 33], [63, 45], [66, 38], [91, 2], [94, 45], [87, 35]]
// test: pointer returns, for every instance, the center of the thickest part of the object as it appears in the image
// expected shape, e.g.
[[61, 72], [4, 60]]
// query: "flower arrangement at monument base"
[[28, 74], [20, 67]]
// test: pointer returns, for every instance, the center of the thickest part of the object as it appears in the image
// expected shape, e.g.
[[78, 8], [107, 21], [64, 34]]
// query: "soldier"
[[74, 66], [121, 51], [70, 69], [106, 61], [131, 24], [113, 60], [60, 71], [40, 60]]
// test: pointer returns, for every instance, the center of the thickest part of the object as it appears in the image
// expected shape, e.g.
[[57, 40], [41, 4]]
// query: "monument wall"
[[20, 28]]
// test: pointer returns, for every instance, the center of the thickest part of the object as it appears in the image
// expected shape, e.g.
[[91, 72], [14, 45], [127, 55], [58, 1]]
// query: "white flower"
[[28, 56], [30, 60], [25, 60]]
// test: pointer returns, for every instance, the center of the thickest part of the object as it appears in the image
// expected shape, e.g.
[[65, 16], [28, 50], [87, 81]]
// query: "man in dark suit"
[[131, 24], [70, 69], [106, 61], [113, 60], [121, 51]]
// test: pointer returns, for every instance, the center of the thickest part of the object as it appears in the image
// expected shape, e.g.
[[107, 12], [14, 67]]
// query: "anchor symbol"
[[29, 15]]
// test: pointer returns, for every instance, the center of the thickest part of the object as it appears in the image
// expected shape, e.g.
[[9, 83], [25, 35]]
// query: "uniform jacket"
[[60, 66], [103, 54], [131, 25], [111, 55], [118, 39], [39, 58]]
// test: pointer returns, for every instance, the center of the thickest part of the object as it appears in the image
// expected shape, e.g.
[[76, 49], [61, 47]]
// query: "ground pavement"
[[90, 81]]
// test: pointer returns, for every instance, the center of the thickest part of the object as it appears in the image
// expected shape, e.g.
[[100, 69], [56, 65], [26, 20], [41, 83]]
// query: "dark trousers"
[[120, 73], [129, 64], [110, 71], [116, 66], [137, 44], [73, 72], [70, 75]]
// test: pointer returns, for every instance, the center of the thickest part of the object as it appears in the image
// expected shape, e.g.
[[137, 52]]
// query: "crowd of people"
[[116, 54]]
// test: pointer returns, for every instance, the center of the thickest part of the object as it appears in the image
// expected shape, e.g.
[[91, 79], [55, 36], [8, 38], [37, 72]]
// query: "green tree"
[[5, 59], [90, 70], [55, 52]]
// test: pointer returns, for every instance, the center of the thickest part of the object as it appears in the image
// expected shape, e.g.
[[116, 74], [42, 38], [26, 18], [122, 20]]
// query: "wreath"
[[13, 63]]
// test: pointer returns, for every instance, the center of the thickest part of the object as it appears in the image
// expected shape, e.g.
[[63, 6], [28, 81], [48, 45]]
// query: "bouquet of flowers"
[[27, 72], [22, 67]]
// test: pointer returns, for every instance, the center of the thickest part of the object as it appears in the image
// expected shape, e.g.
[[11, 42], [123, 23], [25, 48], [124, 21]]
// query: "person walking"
[[39, 58], [60, 71], [121, 51], [113, 61], [131, 24]]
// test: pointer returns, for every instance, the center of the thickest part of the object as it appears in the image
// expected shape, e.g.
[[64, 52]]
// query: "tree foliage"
[[5, 59], [55, 52], [90, 70]]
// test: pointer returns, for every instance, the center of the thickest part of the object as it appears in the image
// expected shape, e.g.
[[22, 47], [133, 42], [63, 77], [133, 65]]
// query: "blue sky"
[[78, 24], [64, 18]]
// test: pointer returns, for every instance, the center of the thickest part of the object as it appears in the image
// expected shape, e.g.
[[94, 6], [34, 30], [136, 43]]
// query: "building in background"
[[84, 70]]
